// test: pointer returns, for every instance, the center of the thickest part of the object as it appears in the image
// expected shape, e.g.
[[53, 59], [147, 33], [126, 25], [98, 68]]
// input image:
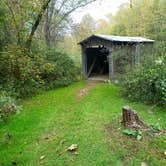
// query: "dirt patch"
[[82, 93], [85, 91]]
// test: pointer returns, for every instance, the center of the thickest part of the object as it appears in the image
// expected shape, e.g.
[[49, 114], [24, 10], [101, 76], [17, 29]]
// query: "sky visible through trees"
[[99, 9]]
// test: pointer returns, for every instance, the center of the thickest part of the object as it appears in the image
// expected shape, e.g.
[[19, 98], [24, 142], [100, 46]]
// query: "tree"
[[56, 18], [24, 17], [103, 27], [146, 18], [85, 28]]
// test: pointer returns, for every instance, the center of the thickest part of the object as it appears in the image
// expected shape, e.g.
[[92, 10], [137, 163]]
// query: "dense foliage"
[[147, 83], [64, 70], [29, 36], [24, 75]]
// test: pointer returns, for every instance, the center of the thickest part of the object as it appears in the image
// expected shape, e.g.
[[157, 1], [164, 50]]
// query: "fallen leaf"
[[72, 147], [143, 164], [42, 159], [76, 153], [165, 152]]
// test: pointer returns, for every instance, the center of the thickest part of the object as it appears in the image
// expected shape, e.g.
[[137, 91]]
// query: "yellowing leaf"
[[143, 164], [165, 152], [42, 159]]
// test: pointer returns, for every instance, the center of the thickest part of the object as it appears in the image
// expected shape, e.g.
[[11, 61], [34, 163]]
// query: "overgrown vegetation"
[[39, 51], [30, 59], [146, 18], [49, 123], [53, 54], [25, 75], [147, 83]]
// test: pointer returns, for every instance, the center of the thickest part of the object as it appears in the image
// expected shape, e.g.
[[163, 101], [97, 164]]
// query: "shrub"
[[19, 73], [147, 83], [7, 106], [62, 70], [23, 75]]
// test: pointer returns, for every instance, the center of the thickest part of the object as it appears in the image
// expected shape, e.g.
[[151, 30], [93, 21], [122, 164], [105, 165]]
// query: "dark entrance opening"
[[97, 61]]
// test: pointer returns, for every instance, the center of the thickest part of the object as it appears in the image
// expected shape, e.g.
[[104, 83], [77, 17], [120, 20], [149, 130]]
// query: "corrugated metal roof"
[[124, 39]]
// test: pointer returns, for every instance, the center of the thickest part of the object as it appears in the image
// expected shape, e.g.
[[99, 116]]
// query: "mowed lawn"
[[49, 123]]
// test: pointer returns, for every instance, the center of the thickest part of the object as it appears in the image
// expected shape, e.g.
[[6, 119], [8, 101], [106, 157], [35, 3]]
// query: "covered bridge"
[[97, 57]]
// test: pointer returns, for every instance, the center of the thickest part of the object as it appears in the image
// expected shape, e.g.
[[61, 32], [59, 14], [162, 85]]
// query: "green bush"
[[19, 74], [62, 70], [147, 83], [23, 75], [7, 106]]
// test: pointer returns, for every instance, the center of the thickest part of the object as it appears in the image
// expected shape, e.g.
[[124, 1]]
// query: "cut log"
[[131, 119]]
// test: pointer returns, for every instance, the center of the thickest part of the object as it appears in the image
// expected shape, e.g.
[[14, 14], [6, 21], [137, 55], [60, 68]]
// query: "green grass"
[[92, 122]]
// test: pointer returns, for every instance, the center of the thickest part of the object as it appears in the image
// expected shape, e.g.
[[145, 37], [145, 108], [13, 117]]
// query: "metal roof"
[[120, 39]]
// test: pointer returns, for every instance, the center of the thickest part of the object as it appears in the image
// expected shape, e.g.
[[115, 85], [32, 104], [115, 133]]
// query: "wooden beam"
[[84, 62], [137, 54], [111, 66], [91, 67]]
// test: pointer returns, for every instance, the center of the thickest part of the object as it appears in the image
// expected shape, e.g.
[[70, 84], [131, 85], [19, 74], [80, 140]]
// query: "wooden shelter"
[[97, 57]]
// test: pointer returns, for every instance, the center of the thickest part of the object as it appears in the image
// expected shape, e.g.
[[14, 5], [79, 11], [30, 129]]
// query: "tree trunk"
[[131, 119], [35, 25], [47, 29]]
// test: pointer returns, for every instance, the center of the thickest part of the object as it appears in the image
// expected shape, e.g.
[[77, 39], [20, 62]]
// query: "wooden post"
[[111, 65], [84, 62], [133, 56], [137, 54], [91, 67]]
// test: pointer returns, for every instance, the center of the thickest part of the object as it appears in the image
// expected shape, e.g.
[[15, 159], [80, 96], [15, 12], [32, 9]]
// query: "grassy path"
[[52, 121]]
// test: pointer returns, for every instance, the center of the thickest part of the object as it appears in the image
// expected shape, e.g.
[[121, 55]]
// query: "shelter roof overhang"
[[115, 40]]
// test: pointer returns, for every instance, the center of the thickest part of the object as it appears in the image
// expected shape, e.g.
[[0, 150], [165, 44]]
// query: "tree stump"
[[131, 119]]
